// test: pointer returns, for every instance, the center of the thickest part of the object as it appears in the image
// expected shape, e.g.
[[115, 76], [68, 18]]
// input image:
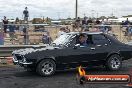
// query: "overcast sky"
[[65, 8]]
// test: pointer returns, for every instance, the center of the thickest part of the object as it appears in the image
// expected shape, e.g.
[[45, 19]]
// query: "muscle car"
[[66, 52]]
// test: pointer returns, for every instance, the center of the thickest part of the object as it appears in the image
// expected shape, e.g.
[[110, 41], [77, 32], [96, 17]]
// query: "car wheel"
[[114, 62], [46, 67]]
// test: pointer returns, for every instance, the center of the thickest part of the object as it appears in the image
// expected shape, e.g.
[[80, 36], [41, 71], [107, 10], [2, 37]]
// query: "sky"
[[65, 8]]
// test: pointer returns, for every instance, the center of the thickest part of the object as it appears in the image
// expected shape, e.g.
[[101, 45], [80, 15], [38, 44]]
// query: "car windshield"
[[62, 40]]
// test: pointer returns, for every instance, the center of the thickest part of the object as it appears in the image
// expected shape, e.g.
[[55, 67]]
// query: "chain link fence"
[[38, 34]]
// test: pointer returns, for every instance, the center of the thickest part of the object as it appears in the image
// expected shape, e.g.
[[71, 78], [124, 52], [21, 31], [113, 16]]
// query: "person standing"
[[1, 37], [5, 22], [61, 31], [107, 25], [17, 22], [127, 22], [46, 38], [84, 24], [67, 29], [97, 21], [77, 23], [26, 15], [89, 23], [12, 32]]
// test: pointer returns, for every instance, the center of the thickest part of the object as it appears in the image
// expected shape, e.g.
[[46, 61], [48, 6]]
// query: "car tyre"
[[114, 63], [46, 67]]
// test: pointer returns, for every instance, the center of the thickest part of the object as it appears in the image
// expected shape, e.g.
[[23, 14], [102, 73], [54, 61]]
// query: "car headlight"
[[24, 59]]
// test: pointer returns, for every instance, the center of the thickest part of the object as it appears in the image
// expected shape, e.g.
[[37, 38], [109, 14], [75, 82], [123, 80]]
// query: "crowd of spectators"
[[128, 28], [80, 25], [85, 24]]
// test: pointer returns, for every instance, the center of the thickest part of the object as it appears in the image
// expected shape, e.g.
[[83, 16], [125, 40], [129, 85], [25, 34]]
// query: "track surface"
[[17, 77]]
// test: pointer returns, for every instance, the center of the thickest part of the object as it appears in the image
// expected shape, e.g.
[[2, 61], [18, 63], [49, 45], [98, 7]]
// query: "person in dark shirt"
[[77, 23], [46, 38], [97, 21], [78, 20], [127, 22], [127, 25], [84, 24], [5, 22], [89, 21], [26, 14], [17, 21], [12, 32]]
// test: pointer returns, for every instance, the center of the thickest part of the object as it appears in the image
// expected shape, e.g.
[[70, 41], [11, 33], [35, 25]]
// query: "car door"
[[97, 49], [101, 46], [77, 56]]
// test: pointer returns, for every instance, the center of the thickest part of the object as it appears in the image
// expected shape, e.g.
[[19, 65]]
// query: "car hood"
[[31, 50]]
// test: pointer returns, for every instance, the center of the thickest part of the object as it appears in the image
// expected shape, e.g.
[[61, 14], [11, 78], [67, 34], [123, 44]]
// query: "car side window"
[[100, 39], [86, 41]]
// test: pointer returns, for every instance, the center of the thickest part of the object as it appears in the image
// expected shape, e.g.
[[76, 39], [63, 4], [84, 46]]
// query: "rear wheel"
[[46, 67], [114, 62]]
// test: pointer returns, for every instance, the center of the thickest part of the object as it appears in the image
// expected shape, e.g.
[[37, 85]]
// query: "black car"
[[68, 52]]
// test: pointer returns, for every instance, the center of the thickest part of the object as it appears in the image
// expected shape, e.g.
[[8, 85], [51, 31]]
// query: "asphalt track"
[[17, 77]]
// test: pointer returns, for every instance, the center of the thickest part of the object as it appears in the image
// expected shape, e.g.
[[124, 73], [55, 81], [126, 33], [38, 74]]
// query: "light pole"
[[76, 12]]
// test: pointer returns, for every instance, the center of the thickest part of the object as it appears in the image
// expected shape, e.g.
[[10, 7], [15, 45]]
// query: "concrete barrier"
[[6, 51]]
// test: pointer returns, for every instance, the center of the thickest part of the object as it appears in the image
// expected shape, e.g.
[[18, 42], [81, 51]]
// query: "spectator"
[[46, 39], [102, 27], [127, 22], [97, 22], [61, 32], [77, 23], [1, 37], [129, 31], [84, 24], [12, 32], [67, 29], [17, 22], [5, 22], [26, 14], [107, 27], [25, 34], [89, 23]]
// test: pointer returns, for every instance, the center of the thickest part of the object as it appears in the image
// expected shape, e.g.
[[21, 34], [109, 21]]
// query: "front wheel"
[[114, 62], [46, 67]]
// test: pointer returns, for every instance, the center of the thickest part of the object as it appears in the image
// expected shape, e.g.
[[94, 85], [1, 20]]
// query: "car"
[[67, 53]]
